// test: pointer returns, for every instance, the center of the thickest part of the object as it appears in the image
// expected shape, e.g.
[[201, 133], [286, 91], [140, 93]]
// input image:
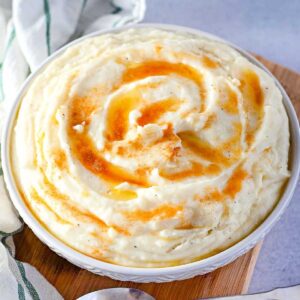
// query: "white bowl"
[[152, 274]]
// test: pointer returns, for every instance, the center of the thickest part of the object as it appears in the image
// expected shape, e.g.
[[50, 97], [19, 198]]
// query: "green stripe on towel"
[[84, 4], [32, 291], [21, 292], [117, 8], [48, 23], [5, 234]]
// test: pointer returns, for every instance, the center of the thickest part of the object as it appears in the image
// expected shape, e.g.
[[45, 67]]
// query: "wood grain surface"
[[73, 282]]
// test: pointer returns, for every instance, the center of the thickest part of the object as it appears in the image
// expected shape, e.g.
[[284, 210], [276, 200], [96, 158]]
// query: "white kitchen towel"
[[30, 30]]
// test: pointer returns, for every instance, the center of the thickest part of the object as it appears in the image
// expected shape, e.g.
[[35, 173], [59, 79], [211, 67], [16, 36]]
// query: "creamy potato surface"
[[151, 148]]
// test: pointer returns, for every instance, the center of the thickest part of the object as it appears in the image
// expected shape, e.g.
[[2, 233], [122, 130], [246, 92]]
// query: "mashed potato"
[[151, 148]]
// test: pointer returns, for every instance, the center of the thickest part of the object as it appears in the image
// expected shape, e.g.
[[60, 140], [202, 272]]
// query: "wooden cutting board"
[[73, 282]]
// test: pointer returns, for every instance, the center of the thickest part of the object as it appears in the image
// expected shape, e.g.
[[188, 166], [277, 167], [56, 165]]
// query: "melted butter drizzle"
[[230, 105], [231, 189], [118, 114], [84, 149], [205, 150], [209, 63], [163, 68], [152, 112], [118, 123], [64, 201], [165, 211], [197, 169], [253, 100]]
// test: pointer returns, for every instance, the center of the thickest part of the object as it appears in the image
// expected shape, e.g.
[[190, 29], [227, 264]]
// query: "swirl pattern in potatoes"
[[151, 148]]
